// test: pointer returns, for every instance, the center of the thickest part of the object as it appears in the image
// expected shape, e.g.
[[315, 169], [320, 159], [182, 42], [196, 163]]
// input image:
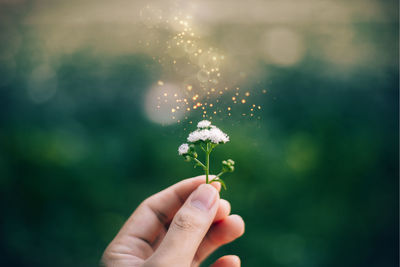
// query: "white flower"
[[195, 136], [215, 135], [183, 149], [203, 124]]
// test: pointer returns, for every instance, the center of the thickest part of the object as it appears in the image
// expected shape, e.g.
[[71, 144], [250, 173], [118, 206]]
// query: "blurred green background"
[[317, 167]]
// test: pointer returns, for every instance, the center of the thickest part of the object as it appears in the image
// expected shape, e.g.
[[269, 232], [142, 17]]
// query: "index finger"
[[154, 213], [168, 201]]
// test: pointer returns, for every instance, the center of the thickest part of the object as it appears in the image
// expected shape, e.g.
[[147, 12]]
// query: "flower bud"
[[228, 165]]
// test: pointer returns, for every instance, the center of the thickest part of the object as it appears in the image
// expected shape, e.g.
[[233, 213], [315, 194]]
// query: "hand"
[[179, 227]]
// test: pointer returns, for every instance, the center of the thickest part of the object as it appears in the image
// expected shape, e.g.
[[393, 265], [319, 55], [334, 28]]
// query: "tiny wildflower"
[[203, 124], [207, 137], [183, 149], [214, 135]]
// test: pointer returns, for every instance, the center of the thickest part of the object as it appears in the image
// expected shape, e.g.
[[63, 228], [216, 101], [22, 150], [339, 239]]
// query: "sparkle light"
[[202, 91], [160, 111]]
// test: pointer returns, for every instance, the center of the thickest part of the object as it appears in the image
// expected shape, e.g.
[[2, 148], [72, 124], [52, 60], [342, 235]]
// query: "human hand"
[[179, 226]]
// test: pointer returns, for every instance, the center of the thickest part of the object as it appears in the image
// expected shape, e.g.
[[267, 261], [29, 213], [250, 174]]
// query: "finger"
[[227, 261], [223, 210], [159, 209], [188, 228], [220, 233], [142, 229]]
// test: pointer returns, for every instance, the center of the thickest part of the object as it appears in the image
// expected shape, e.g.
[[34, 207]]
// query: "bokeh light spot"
[[166, 111]]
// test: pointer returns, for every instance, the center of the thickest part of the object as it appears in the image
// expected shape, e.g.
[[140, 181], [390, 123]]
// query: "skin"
[[176, 228]]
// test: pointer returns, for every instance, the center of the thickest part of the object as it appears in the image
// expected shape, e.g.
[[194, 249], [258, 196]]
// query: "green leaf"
[[222, 182]]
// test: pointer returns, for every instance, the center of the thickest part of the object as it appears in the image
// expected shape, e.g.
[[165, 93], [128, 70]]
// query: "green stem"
[[219, 174], [207, 162], [217, 177], [200, 163]]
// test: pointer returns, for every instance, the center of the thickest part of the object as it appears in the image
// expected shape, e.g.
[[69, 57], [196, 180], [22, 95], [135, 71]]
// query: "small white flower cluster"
[[207, 137], [208, 132], [203, 124], [183, 149]]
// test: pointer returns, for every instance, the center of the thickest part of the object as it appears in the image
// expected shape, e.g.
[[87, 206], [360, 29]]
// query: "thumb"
[[188, 228]]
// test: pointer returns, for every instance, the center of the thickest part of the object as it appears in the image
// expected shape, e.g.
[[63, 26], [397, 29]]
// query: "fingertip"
[[227, 261], [202, 180], [226, 206], [206, 198], [223, 211], [235, 259], [214, 187], [239, 222], [217, 185]]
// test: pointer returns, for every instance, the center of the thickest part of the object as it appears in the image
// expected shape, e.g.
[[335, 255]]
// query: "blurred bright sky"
[[325, 29], [336, 35]]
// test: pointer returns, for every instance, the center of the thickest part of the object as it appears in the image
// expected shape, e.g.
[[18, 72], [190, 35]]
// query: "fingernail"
[[204, 197]]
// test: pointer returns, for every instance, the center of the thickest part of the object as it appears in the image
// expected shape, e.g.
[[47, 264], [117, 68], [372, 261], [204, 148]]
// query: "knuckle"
[[146, 202], [107, 258], [186, 222]]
